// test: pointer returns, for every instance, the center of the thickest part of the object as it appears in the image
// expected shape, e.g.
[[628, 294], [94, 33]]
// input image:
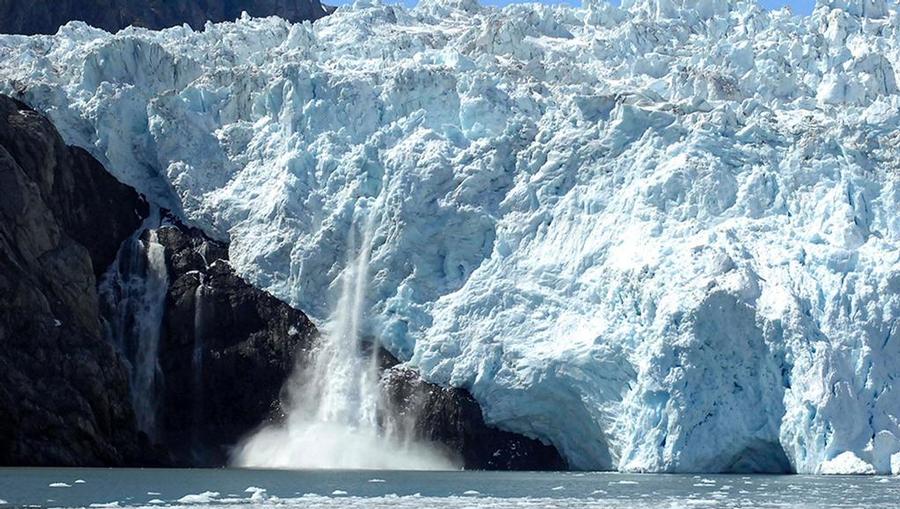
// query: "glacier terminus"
[[662, 236]]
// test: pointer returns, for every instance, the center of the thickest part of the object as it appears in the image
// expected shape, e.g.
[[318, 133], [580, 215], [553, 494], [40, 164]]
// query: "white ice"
[[199, 498]]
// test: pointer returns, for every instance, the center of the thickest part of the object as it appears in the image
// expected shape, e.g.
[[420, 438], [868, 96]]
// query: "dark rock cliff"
[[66, 390], [63, 390], [31, 17], [227, 349], [452, 417]]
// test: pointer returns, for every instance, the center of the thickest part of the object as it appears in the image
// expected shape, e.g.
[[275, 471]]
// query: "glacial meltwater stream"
[[132, 294]]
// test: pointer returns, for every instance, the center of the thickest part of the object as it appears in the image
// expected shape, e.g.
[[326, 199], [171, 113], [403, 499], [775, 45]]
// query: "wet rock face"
[[226, 351], [46, 16], [63, 389], [451, 417]]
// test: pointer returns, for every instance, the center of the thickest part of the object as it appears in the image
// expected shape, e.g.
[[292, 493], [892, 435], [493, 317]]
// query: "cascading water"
[[197, 363], [336, 417], [132, 294]]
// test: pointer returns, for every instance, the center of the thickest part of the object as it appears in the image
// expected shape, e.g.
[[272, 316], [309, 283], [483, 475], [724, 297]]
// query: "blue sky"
[[799, 6]]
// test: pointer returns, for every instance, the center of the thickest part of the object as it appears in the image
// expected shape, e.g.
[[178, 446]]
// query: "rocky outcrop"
[[226, 351], [46, 16], [63, 390], [452, 417]]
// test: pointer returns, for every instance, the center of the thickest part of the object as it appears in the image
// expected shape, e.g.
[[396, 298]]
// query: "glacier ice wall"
[[663, 237]]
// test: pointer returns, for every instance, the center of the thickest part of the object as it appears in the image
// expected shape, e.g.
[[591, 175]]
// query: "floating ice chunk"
[[471, 493], [376, 480], [152, 493], [156, 501], [847, 463], [338, 493], [103, 505], [60, 485], [557, 488], [199, 498], [80, 481], [895, 463], [257, 494]]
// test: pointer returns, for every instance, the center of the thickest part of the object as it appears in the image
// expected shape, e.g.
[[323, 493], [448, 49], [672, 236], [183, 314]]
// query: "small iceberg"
[[199, 498]]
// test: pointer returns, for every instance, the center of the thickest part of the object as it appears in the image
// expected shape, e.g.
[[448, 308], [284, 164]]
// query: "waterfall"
[[337, 417], [197, 365], [132, 294], [343, 386]]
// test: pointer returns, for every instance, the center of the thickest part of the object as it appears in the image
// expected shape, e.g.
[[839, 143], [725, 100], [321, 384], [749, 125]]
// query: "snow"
[[662, 237]]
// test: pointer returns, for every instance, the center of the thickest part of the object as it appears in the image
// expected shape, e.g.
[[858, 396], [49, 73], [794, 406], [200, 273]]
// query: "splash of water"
[[337, 418], [132, 294]]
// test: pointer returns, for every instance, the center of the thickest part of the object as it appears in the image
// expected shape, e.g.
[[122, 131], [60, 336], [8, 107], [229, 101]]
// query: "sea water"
[[167, 488]]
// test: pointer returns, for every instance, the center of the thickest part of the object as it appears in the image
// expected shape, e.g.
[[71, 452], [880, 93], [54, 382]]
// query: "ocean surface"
[[220, 488]]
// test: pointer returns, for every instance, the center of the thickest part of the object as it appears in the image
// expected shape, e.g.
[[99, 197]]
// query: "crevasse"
[[662, 237]]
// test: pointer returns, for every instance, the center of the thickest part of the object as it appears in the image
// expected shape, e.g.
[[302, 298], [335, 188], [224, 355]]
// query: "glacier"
[[664, 236]]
